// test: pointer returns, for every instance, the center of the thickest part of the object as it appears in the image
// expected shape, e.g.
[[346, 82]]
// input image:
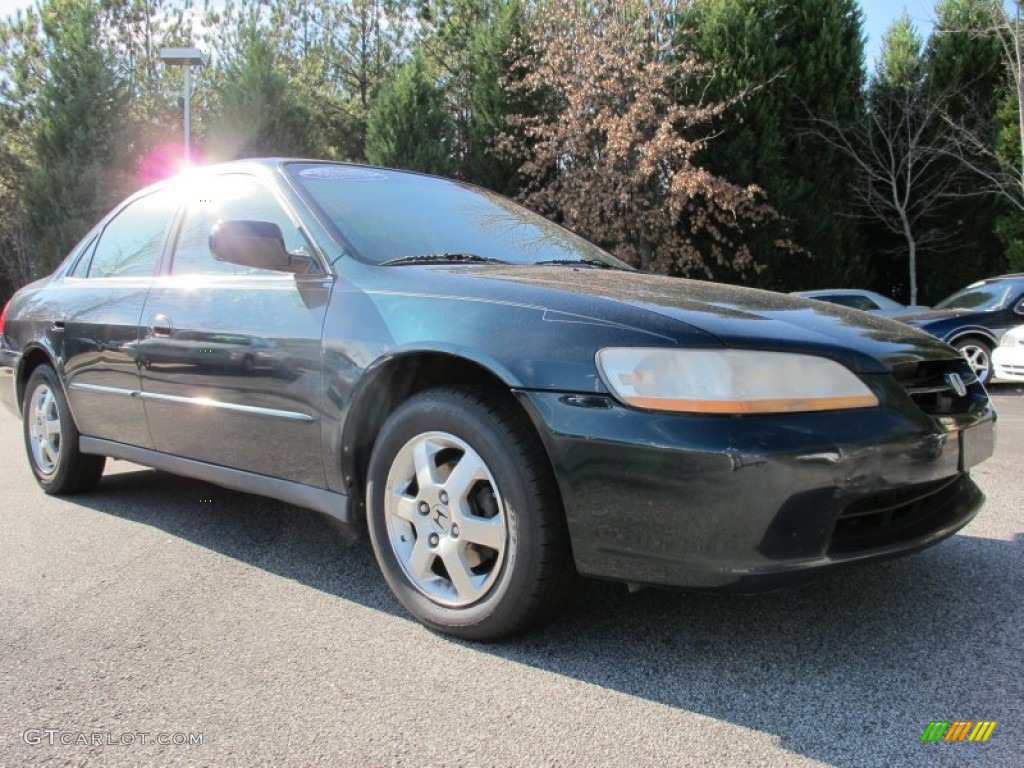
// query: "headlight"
[[730, 381], [1010, 339]]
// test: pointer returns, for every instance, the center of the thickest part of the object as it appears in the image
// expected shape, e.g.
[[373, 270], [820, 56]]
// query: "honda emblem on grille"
[[956, 384]]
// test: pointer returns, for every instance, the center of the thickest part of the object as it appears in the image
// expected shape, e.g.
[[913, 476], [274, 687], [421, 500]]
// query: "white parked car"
[[1008, 357]]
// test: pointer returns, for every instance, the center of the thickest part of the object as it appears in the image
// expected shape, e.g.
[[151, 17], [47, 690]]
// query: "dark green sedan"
[[499, 403]]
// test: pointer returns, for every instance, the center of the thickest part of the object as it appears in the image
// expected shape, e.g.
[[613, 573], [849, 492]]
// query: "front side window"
[[229, 197], [132, 242]]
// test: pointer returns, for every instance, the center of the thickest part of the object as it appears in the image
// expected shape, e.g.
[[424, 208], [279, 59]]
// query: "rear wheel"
[[979, 355], [51, 438], [464, 515]]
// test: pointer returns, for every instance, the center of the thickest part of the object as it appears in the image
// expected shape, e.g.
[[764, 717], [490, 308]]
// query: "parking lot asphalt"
[[179, 610]]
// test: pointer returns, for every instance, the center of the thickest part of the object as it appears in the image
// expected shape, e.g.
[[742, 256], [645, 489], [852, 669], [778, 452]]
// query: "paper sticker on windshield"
[[341, 173]]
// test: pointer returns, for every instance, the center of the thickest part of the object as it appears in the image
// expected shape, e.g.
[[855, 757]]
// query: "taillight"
[[2, 316]]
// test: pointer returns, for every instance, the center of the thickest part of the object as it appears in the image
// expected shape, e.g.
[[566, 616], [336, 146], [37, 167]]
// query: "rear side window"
[[854, 301], [132, 242]]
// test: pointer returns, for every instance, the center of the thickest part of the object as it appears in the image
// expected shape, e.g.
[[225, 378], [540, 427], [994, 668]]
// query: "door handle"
[[60, 322], [160, 325]]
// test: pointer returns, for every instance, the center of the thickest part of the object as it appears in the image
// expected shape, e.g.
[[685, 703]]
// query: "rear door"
[[102, 301], [231, 355]]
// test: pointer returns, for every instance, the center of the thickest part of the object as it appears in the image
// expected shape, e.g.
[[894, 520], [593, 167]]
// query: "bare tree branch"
[[897, 148]]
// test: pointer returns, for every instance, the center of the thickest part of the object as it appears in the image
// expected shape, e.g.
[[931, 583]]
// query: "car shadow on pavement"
[[843, 670]]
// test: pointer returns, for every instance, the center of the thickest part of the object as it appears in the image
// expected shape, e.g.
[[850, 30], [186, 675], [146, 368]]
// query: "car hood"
[[737, 316]]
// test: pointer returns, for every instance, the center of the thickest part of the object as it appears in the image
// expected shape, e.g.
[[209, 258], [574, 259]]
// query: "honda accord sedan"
[[498, 403]]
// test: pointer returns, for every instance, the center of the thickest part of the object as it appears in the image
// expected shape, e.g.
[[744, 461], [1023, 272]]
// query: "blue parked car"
[[974, 319]]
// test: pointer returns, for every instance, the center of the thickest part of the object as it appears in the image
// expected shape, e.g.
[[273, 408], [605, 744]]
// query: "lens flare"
[[166, 160]]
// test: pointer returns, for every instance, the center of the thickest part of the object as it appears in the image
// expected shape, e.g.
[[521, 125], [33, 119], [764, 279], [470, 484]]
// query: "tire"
[[494, 558], [51, 438], [979, 355]]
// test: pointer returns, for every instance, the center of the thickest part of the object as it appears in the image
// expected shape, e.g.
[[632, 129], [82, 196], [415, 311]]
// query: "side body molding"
[[330, 503]]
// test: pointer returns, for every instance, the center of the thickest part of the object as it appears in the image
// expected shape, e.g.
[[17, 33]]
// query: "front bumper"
[[756, 502], [1009, 363]]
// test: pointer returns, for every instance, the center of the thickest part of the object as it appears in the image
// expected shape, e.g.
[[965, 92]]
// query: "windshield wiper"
[[443, 258], [575, 263]]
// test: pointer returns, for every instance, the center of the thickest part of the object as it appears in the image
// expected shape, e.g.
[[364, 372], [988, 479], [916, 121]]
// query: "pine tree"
[[496, 47], [1010, 224], [966, 72], [259, 112], [409, 126], [338, 56], [80, 140], [446, 44], [789, 62], [902, 178], [22, 58]]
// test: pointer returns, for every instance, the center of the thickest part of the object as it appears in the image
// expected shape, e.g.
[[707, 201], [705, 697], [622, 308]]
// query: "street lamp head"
[[182, 57]]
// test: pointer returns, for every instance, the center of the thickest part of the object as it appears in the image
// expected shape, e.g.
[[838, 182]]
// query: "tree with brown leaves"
[[612, 147]]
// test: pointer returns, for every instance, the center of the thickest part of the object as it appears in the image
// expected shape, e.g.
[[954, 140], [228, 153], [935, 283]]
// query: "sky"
[[878, 15]]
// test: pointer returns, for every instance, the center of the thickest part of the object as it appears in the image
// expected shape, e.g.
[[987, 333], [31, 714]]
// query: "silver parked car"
[[866, 301]]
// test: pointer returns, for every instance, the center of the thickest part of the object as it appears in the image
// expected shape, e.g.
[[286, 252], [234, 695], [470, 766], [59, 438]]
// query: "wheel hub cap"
[[44, 430], [446, 519]]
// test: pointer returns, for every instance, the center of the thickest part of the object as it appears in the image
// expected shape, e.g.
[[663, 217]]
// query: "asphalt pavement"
[[164, 621]]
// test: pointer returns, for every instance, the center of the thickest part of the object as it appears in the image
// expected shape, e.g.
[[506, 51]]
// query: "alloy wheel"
[[979, 360], [45, 429], [446, 519]]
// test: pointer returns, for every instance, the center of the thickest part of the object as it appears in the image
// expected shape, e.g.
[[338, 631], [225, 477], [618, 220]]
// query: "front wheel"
[[464, 515], [979, 355], [51, 438]]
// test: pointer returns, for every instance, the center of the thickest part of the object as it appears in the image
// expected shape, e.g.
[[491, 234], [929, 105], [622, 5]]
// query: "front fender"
[[972, 330]]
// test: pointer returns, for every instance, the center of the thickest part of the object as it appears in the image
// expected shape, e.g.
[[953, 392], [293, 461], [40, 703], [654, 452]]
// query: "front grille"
[[894, 516], [929, 385]]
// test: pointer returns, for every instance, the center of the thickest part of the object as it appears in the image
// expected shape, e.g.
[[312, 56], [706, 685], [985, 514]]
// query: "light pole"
[[187, 58]]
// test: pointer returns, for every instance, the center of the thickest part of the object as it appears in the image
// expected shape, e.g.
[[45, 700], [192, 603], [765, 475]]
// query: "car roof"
[[260, 166], [1011, 276]]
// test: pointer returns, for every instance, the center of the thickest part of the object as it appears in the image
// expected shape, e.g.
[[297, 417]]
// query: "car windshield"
[[980, 296], [403, 218]]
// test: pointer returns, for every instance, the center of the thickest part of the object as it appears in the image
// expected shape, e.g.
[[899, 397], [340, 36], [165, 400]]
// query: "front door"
[[230, 356]]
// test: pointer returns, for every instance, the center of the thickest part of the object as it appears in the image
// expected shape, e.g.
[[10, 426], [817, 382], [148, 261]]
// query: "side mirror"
[[257, 244]]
